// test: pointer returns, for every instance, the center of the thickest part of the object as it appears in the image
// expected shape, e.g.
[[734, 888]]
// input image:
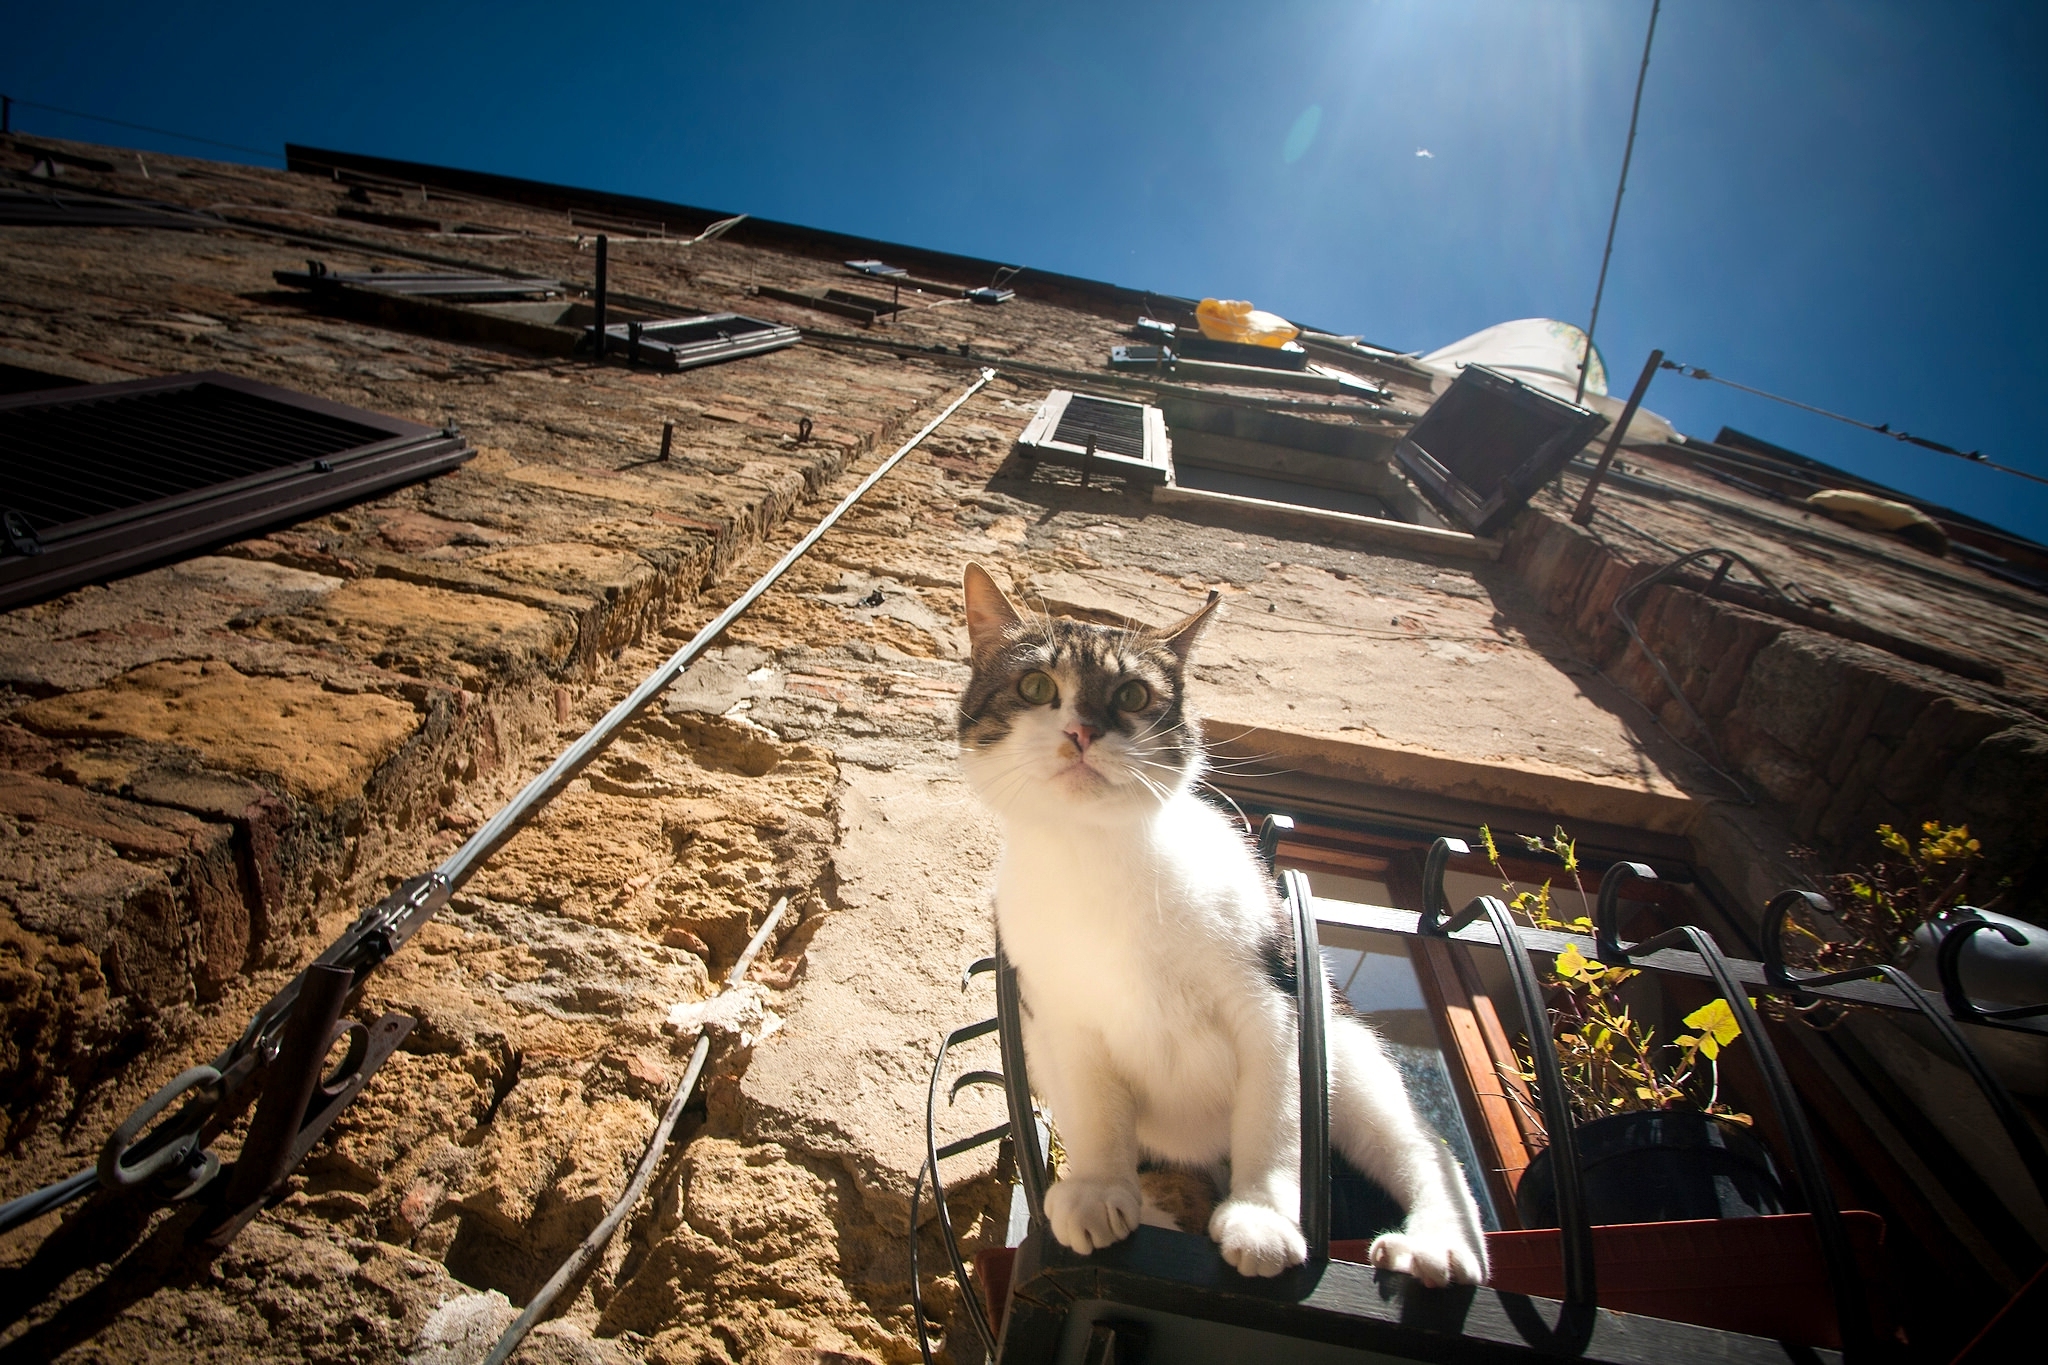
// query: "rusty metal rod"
[[597, 335], [1583, 514]]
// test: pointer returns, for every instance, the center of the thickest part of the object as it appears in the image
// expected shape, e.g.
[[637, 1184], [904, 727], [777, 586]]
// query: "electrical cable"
[[1627, 155], [510, 819], [143, 128], [1881, 428]]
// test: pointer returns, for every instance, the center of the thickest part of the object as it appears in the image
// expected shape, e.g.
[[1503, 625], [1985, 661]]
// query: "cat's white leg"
[[1097, 1200], [1374, 1125], [1257, 1227]]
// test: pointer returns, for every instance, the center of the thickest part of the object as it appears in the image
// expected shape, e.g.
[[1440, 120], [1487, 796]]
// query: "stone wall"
[[1841, 737]]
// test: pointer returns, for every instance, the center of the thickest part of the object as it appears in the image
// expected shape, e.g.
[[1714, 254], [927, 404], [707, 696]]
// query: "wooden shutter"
[[1127, 438], [103, 479], [1490, 442]]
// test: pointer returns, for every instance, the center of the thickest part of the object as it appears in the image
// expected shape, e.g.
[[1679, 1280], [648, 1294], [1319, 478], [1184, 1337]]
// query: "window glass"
[[1375, 973], [1338, 887]]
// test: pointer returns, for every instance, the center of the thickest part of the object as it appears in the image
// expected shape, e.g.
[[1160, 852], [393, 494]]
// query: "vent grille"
[[1118, 428], [69, 461]]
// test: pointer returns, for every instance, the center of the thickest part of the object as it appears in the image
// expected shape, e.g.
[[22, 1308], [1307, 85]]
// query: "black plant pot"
[[1659, 1166]]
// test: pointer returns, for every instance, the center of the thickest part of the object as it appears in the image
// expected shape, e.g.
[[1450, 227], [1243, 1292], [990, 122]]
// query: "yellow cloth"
[[1236, 320]]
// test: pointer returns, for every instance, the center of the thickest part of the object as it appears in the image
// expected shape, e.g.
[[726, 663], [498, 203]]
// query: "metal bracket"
[[301, 1100]]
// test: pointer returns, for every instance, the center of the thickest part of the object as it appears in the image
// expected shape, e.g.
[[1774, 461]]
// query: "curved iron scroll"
[[1031, 1166], [1575, 1324], [2017, 1130], [1950, 964], [1313, 1056], [975, 1312], [1843, 1278], [1607, 911]]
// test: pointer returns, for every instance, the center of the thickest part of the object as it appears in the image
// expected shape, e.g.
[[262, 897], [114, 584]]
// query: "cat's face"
[[1066, 719]]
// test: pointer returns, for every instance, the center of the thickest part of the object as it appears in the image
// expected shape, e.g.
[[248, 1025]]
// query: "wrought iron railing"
[[1576, 1325]]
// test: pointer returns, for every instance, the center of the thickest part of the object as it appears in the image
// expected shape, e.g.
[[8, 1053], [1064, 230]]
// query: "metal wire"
[[142, 127], [1627, 155], [501, 827], [1880, 428], [588, 1249]]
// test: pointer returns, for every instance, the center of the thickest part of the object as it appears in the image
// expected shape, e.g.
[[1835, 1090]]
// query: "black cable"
[[1881, 428], [1627, 155], [143, 128], [36, 1203]]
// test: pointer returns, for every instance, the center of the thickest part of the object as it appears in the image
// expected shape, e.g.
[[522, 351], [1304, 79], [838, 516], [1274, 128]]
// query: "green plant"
[[1878, 909], [1611, 1062], [1535, 906]]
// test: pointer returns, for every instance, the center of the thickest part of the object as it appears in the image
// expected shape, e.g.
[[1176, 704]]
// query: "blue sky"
[[1841, 202]]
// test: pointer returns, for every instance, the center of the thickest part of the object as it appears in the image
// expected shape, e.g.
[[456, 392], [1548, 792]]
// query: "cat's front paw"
[[1089, 1214], [1256, 1240], [1436, 1257]]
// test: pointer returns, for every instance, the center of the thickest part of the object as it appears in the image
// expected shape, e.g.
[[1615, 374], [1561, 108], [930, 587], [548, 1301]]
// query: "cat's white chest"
[[1131, 943]]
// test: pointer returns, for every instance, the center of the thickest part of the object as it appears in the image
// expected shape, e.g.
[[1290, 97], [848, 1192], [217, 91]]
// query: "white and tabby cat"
[[1150, 947]]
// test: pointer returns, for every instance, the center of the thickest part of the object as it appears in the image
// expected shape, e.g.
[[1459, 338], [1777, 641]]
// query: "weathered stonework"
[[1839, 735], [208, 768]]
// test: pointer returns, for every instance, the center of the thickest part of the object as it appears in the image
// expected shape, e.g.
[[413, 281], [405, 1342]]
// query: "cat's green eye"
[[1038, 688], [1132, 696]]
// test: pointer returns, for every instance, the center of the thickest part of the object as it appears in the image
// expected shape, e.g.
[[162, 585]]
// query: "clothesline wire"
[[1881, 428], [143, 128]]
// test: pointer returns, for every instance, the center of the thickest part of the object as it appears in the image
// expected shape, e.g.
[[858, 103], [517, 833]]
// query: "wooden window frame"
[[1486, 510]]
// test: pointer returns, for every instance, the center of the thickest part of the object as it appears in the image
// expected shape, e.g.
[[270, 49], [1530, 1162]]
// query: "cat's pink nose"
[[1082, 736]]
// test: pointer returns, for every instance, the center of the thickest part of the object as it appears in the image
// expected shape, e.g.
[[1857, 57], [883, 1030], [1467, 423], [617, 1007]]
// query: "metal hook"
[[1433, 866], [178, 1137], [1774, 931], [1607, 911]]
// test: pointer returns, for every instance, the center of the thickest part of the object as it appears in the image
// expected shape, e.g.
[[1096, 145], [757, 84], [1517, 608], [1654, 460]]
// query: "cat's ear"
[[1181, 637], [989, 613]]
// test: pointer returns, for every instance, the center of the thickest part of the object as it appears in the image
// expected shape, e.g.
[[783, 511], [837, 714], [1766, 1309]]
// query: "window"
[[101, 479], [1490, 442], [1278, 458], [1902, 1128], [841, 302], [1099, 434], [1259, 373], [1445, 1008], [1184, 353], [73, 209], [536, 314], [22, 379], [449, 287]]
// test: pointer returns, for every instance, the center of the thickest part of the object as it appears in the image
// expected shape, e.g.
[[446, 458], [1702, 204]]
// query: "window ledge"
[[1374, 530]]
